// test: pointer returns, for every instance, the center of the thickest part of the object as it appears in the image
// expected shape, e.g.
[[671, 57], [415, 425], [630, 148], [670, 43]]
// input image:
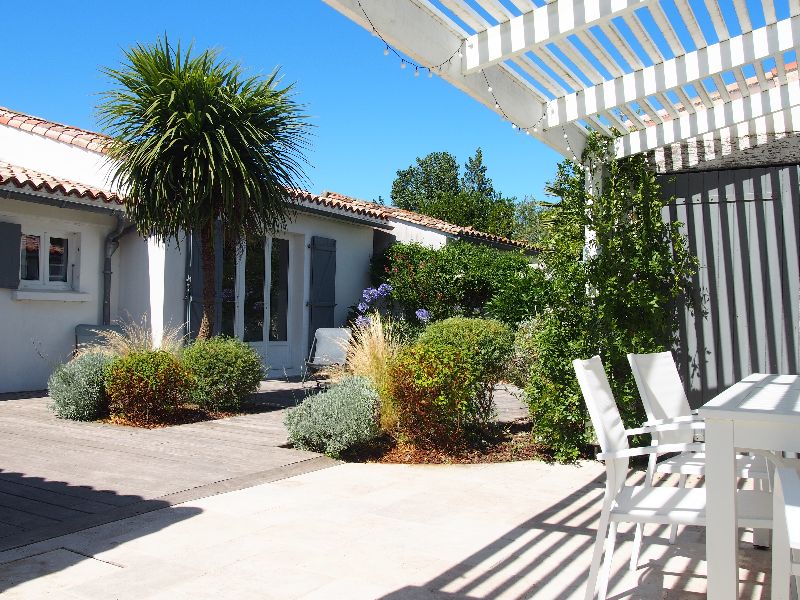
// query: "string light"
[[569, 147], [390, 48]]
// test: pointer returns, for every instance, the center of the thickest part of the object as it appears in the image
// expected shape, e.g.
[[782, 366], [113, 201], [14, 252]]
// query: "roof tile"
[[90, 140], [22, 177]]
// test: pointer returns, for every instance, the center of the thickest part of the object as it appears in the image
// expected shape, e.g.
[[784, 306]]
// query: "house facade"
[[69, 257]]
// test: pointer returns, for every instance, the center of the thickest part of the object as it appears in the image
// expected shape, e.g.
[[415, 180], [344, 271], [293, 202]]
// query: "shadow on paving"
[[536, 551], [33, 509]]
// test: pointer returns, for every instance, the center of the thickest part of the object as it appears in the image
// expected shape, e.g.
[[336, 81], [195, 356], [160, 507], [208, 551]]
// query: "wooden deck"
[[60, 476]]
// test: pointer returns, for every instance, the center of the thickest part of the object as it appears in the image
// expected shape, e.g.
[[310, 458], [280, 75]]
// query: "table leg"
[[722, 537]]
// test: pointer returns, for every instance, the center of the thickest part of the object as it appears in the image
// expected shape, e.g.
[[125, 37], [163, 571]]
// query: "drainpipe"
[[111, 245]]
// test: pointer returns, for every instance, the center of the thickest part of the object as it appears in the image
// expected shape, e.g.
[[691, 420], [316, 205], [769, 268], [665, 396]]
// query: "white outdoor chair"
[[665, 401], [328, 348], [642, 504], [786, 533]]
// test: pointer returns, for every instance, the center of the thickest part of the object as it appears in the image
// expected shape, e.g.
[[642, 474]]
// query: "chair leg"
[[761, 537], [781, 563], [611, 541], [597, 554], [637, 537], [673, 532]]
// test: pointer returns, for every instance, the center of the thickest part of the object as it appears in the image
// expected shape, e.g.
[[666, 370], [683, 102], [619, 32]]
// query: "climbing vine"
[[614, 295]]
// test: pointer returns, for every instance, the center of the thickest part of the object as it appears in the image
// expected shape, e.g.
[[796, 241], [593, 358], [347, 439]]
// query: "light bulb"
[[489, 89], [386, 51], [459, 54], [416, 71], [496, 105], [513, 126], [430, 73], [402, 64]]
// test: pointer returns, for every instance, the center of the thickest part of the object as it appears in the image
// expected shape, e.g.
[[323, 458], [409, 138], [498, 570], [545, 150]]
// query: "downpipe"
[[112, 243]]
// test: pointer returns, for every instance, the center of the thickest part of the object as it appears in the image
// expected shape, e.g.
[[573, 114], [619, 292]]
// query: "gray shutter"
[[323, 284], [10, 234]]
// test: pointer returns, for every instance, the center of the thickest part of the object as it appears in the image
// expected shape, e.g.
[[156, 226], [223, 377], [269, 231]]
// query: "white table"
[[761, 412]]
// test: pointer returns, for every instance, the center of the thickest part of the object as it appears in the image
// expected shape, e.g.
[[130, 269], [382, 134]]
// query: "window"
[[45, 260]]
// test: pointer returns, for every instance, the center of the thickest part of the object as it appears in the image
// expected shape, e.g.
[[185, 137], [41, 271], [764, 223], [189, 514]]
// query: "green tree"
[[620, 298], [195, 140], [436, 187]]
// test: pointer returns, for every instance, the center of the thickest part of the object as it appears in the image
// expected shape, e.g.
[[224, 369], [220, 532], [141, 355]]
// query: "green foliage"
[[531, 221], [519, 296], [226, 372], [433, 187], [432, 389], [485, 347], [195, 140], [525, 353], [146, 388], [343, 417], [619, 298], [457, 279], [77, 389]]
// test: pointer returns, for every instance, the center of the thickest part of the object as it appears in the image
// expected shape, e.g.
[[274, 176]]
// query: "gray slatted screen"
[[10, 235], [744, 227], [322, 301]]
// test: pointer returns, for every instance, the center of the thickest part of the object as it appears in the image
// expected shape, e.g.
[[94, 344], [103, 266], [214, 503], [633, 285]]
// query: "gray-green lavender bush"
[[344, 416]]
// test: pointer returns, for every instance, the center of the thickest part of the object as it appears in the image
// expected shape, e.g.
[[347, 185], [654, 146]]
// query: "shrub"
[[455, 280], [524, 355], [77, 387], [485, 346], [147, 387], [136, 337], [432, 388], [225, 370], [344, 416], [372, 349]]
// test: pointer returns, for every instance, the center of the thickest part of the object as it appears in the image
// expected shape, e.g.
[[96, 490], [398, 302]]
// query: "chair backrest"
[[605, 416], [330, 346], [600, 401], [662, 392]]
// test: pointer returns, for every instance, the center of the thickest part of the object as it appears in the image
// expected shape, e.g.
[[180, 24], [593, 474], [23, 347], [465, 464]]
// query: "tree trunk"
[[209, 281]]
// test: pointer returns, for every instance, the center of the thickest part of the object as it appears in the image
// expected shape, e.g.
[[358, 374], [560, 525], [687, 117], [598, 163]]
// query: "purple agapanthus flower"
[[423, 315], [370, 294], [384, 289], [363, 321], [362, 307]]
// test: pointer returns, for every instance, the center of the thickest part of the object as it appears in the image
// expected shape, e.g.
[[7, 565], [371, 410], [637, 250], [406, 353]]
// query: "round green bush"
[[344, 416], [77, 388], [433, 390], [147, 387], [226, 372]]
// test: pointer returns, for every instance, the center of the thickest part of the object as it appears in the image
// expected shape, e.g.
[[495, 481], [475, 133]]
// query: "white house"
[[68, 257]]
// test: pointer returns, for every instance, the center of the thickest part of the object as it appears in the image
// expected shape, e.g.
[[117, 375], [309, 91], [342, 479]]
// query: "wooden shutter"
[[10, 235], [323, 284]]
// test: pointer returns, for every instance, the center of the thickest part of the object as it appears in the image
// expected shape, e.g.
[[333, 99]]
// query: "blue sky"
[[371, 117]]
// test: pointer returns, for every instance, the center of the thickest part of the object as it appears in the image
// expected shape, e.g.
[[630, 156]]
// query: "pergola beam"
[[689, 68], [772, 111], [428, 37], [542, 25]]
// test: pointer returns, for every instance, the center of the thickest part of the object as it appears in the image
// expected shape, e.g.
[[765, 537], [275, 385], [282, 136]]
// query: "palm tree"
[[195, 141]]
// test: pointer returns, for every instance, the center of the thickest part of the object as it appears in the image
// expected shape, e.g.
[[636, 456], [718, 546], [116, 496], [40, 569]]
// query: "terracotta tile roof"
[[22, 177], [430, 222], [338, 202], [96, 142]]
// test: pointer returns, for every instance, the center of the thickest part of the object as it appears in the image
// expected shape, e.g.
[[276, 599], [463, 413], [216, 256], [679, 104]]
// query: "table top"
[[758, 396]]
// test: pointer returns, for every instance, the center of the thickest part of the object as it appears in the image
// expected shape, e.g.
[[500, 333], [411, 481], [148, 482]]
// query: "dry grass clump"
[[370, 353], [135, 337]]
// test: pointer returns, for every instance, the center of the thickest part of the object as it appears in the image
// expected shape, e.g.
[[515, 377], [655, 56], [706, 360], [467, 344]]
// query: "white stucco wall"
[[39, 333], [53, 157], [409, 232]]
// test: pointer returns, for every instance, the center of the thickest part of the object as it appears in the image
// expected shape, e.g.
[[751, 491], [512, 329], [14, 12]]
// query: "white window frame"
[[44, 283]]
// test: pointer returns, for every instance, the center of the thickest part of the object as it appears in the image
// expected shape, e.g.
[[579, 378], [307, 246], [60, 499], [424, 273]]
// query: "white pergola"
[[690, 76]]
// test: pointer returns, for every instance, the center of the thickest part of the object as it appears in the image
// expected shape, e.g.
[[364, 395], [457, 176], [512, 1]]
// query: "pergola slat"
[[687, 69], [757, 113], [543, 25]]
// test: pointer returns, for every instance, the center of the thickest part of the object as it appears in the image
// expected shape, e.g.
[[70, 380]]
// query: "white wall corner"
[[156, 261]]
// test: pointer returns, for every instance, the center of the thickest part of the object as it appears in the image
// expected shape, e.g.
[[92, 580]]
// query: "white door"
[[258, 298]]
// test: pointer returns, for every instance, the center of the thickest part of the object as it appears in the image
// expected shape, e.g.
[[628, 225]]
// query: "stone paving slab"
[[370, 531]]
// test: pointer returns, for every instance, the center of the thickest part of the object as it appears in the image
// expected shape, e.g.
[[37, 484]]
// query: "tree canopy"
[[435, 186], [196, 141]]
